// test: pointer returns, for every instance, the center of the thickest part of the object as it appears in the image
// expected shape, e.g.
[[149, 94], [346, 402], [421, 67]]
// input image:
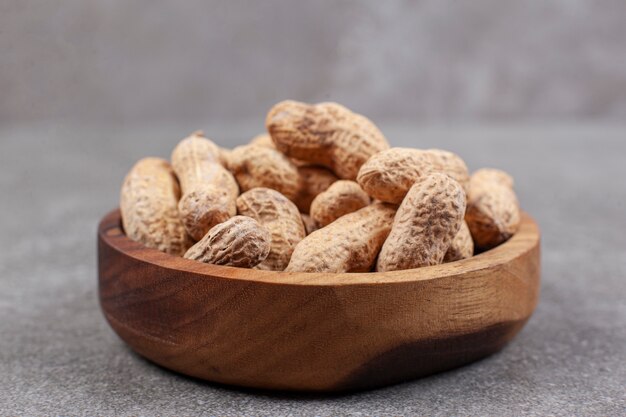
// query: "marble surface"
[[59, 357]]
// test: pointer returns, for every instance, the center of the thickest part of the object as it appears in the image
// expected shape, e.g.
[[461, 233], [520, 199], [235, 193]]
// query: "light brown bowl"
[[315, 332]]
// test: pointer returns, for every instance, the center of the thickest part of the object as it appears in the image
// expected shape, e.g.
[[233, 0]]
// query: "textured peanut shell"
[[266, 140], [280, 217], [309, 224], [341, 198], [427, 221], [451, 164], [313, 181], [219, 153], [388, 175], [240, 241], [209, 189], [196, 162], [327, 134], [349, 244], [224, 156], [149, 207], [493, 213], [462, 246], [259, 166], [489, 175], [204, 207], [263, 139]]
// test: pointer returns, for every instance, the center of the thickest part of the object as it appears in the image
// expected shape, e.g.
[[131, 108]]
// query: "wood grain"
[[315, 331]]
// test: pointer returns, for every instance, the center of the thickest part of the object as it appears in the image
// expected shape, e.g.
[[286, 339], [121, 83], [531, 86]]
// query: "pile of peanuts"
[[322, 191]]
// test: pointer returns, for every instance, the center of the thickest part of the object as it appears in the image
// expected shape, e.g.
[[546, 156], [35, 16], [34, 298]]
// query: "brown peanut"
[[240, 241], [450, 164], [266, 140], [341, 198], [462, 245], [148, 203], [313, 180], [263, 139], [259, 166], [349, 244], [493, 213], [388, 175], [280, 217], [309, 224], [327, 134], [209, 190], [427, 221]]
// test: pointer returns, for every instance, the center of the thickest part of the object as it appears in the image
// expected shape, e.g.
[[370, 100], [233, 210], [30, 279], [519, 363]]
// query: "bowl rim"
[[110, 233]]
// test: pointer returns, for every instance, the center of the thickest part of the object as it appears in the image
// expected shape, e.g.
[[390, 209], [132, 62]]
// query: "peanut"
[[450, 164], [263, 139], [280, 217], [259, 166], [223, 155], [309, 224], [349, 244], [148, 203], [341, 198], [209, 190], [462, 245], [240, 241], [493, 213], [313, 180], [327, 134], [388, 175], [266, 140], [427, 221]]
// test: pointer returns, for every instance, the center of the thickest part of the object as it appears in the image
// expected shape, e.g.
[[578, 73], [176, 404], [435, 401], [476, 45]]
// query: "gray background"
[[88, 87], [435, 61]]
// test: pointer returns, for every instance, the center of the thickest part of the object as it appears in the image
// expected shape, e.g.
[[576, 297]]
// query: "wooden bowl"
[[315, 332]]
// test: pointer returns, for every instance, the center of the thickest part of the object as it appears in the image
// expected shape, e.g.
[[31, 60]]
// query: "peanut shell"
[[493, 213], [259, 166], [349, 244], [327, 134], [462, 245], [341, 198], [149, 207], [280, 217], [427, 221], [388, 175], [240, 241]]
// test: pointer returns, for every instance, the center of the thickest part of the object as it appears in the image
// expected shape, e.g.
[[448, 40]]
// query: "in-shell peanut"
[[313, 180], [240, 241], [280, 217], [260, 166], [349, 244], [450, 164], [427, 221], [342, 197], [388, 175], [462, 245], [309, 224], [209, 190], [300, 182], [263, 139], [327, 134], [149, 207], [204, 207], [493, 213]]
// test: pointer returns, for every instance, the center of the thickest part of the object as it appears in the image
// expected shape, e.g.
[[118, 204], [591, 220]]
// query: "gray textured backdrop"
[[134, 62]]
